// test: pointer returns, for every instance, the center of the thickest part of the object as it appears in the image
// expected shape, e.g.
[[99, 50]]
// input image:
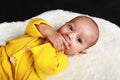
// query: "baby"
[[42, 51], [77, 35]]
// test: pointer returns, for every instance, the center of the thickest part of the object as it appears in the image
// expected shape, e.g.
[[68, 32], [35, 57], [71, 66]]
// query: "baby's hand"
[[55, 38], [57, 41]]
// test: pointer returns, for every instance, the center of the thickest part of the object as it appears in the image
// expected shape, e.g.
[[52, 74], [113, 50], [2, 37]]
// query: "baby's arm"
[[55, 38], [40, 28]]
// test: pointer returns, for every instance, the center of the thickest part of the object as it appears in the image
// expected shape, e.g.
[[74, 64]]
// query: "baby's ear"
[[83, 52]]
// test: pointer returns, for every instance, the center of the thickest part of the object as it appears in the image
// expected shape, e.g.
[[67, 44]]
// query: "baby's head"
[[81, 33]]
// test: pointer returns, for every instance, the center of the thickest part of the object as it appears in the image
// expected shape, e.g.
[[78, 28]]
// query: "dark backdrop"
[[18, 10]]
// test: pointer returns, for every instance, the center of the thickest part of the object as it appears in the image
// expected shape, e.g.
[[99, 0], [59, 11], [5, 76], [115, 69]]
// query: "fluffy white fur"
[[102, 62]]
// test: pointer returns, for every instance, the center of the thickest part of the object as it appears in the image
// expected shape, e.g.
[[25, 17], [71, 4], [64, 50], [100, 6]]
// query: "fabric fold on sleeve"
[[32, 30], [47, 61]]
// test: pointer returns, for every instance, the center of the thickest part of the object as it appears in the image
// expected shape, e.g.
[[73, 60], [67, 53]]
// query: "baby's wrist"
[[49, 32]]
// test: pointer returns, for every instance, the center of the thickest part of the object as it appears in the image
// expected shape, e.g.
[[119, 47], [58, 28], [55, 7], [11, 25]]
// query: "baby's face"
[[80, 33]]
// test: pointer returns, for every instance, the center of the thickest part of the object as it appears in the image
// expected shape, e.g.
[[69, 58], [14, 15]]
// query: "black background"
[[19, 10]]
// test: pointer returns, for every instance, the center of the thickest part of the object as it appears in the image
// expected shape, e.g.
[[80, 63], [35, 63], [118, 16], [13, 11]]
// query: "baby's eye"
[[71, 28], [79, 40]]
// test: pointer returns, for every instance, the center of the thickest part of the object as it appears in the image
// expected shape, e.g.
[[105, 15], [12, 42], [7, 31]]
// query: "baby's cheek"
[[73, 44]]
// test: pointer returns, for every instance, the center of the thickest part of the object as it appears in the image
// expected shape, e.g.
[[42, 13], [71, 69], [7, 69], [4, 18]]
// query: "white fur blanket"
[[102, 62]]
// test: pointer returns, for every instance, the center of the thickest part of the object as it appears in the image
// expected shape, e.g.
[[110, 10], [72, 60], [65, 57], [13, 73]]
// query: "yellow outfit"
[[25, 58]]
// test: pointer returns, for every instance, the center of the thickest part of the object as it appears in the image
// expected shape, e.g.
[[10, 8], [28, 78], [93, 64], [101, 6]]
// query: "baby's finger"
[[60, 45], [55, 44], [66, 43]]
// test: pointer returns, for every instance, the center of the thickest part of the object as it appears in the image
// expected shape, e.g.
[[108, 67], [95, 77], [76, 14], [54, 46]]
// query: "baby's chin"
[[67, 52]]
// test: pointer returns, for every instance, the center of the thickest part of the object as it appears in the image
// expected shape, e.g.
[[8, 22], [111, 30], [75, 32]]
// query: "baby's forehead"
[[83, 18], [85, 21]]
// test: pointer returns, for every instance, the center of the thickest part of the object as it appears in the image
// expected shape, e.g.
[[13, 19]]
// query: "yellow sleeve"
[[47, 61], [32, 30]]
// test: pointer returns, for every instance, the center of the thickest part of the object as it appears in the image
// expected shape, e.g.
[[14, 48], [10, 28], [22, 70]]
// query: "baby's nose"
[[71, 35]]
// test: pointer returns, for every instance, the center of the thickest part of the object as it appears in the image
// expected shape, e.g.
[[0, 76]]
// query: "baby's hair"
[[97, 29]]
